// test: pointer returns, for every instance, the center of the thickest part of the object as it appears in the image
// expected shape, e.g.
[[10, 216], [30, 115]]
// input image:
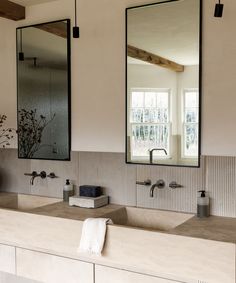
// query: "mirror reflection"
[[163, 105], [43, 57]]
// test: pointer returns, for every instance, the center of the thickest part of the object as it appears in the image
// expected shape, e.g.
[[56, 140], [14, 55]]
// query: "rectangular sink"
[[22, 202], [150, 219]]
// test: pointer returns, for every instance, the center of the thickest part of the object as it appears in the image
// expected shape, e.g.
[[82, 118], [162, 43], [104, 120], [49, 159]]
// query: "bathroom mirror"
[[43, 85], [163, 70]]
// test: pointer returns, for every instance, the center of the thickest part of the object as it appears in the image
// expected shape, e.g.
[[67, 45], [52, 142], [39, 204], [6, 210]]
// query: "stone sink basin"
[[148, 219], [23, 202]]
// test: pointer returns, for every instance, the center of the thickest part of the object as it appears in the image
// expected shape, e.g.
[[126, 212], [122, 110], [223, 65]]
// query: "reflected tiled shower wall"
[[217, 175]]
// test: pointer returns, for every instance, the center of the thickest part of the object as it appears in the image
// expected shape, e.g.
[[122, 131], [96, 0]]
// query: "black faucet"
[[154, 149], [160, 184], [34, 175]]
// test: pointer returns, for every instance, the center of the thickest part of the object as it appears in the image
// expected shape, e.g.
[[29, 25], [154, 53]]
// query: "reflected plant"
[[5, 134], [30, 131]]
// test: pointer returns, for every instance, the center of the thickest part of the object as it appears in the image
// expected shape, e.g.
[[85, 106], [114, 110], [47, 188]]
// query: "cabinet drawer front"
[[108, 275], [11, 278], [7, 259], [52, 269]]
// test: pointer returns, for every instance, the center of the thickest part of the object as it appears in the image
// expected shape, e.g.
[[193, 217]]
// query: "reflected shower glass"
[[43, 76]]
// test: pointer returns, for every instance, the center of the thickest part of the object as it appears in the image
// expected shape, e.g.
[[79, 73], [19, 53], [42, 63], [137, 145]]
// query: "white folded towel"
[[93, 235]]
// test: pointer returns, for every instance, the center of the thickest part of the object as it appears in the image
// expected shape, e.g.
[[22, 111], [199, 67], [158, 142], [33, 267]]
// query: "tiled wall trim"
[[217, 175]]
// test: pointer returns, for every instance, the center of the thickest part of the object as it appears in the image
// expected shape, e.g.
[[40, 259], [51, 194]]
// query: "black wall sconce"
[[21, 53], [76, 32], [219, 10]]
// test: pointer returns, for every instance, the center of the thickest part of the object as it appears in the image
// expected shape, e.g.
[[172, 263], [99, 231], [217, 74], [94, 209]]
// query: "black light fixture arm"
[[76, 32], [76, 13]]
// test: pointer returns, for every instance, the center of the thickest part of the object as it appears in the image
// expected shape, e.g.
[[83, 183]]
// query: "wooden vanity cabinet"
[[7, 259], [107, 275], [50, 268]]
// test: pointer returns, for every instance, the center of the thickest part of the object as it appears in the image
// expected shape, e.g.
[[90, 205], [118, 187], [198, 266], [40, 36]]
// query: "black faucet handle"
[[175, 185], [52, 175], [33, 174], [144, 183], [160, 184], [43, 174]]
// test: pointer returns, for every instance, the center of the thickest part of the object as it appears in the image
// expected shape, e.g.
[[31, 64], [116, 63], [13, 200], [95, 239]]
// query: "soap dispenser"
[[203, 205], [68, 190]]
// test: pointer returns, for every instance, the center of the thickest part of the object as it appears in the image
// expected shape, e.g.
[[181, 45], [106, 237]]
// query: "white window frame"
[[185, 90], [169, 124]]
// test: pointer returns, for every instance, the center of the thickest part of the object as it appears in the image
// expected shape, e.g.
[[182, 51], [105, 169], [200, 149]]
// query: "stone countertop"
[[178, 258], [214, 228], [63, 210], [183, 254]]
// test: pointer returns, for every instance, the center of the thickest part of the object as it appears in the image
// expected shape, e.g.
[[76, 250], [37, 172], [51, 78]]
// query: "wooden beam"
[[58, 28], [145, 56], [11, 10]]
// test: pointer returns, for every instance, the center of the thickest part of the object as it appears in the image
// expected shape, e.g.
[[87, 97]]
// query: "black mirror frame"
[[68, 21], [199, 84]]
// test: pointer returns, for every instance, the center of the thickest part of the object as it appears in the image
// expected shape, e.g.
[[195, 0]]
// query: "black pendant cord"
[[76, 13], [76, 32]]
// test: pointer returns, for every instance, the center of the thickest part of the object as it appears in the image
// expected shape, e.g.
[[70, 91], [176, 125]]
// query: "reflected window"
[[190, 123], [149, 122]]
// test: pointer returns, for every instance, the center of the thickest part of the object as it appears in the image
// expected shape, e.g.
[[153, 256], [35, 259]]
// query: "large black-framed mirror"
[[163, 83], [44, 91]]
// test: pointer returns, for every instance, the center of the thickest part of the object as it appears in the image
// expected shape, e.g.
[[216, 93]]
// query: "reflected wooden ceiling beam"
[[145, 56], [11, 10], [58, 28]]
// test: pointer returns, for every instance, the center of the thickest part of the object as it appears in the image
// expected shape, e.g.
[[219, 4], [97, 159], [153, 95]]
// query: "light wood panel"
[[155, 59], [11, 278], [174, 257], [107, 275], [7, 259], [50, 269], [11, 10]]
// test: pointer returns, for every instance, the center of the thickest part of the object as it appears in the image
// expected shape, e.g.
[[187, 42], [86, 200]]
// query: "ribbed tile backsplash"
[[221, 184], [179, 199], [216, 175]]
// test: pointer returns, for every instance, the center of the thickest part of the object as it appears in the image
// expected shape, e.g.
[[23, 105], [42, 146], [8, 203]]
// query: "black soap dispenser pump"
[[68, 190], [203, 205]]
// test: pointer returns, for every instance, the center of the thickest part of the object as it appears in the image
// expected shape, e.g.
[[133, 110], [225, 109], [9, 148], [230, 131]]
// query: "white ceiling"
[[170, 30], [31, 2]]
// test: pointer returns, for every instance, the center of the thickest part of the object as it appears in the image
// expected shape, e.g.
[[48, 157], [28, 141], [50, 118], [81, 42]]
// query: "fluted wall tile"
[[63, 170], [180, 199], [109, 171], [217, 175], [221, 184], [12, 171]]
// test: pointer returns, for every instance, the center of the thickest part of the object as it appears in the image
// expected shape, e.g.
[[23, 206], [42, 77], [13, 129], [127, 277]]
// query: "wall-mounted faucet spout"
[[34, 175], [160, 184], [155, 149]]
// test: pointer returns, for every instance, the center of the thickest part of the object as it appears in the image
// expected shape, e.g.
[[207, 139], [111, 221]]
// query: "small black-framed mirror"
[[44, 91], [163, 83]]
